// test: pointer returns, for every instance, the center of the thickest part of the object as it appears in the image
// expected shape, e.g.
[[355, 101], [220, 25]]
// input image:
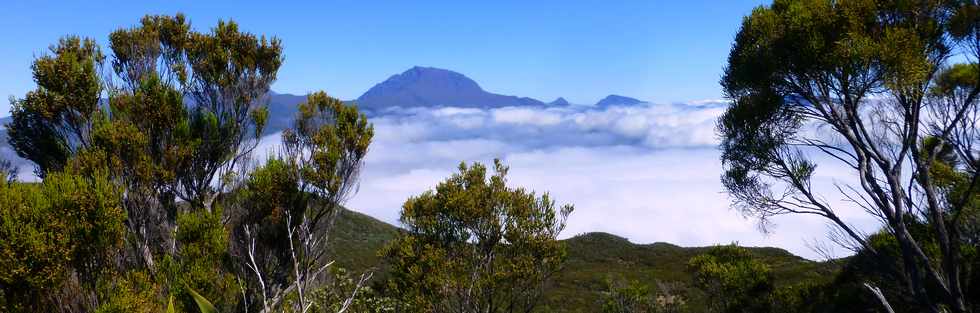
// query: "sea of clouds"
[[648, 173]]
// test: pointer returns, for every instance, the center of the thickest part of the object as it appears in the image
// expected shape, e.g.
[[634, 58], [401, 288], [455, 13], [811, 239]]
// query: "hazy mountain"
[[282, 111], [618, 100], [559, 102], [416, 87], [427, 86]]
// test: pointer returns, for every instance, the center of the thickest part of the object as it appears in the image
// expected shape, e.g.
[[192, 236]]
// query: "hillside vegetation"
[[593, 260]]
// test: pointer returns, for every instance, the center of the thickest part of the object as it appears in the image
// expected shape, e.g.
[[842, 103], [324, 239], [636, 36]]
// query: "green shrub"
[[66, 224]]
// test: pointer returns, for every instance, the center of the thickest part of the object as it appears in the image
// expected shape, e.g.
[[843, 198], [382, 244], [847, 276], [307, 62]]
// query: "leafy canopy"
[[476, 245]]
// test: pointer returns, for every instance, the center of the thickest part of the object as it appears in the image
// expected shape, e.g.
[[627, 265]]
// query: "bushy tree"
[[287, 206], [733, 280], [628, 297], [327, 144], [622, 296], [870, 85], [475, 245]]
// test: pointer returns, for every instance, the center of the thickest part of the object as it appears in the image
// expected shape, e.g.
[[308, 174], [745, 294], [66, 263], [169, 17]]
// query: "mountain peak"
[[429, 86], [559, 102], [618, 100], [433, 73]]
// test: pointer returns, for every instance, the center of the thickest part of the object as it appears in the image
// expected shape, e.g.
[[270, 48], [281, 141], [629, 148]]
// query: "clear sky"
[[664, 51]]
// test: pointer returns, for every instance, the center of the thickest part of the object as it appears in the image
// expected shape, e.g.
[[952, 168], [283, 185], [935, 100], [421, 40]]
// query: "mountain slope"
[[428, 86], [593, 258]]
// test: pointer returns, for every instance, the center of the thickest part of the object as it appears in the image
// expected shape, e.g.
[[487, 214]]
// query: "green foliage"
[[958, 78], [956, 185], [838, 291], [592, 260], [165, 131], [53, 121], [327, 143], [203, 259], [158, 37], [596, 257], [132, 292], [170, 305], [476, 243], [355, 240], [733, 280], [884, 269], [202, 303], [286, 208], [965, 21], [225, 73], [271, 192], [67, 224], [202, 235], [270, 195], [873, 83], [629, 297], [230, 72]]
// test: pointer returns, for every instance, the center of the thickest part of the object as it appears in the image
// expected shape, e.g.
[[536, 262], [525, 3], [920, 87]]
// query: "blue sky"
[[663, 51]]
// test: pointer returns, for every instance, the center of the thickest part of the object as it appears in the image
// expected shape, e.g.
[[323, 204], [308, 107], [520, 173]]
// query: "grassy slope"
[[593, 258], [355, 239]]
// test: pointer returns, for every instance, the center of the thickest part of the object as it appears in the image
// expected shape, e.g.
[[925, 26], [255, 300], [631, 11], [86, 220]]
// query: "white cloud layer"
[[648, 173]]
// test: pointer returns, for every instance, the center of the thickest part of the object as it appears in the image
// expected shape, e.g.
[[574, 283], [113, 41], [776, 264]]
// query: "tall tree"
[[476, 245], [179, 112], [287, 206], [869, 84], [327, 144], [225, 75]]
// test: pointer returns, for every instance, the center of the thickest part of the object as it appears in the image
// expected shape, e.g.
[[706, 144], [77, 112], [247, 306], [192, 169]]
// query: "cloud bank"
[[649, 173]]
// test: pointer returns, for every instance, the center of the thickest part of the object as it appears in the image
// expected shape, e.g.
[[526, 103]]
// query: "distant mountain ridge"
[[416, 87], [611, 100], [429, 86]]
